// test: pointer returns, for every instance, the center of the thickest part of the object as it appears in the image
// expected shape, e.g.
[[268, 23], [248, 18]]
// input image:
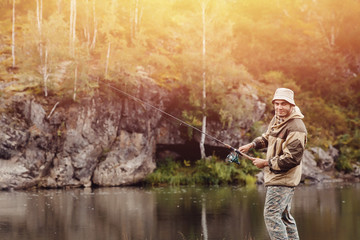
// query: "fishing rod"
[[232, 157]]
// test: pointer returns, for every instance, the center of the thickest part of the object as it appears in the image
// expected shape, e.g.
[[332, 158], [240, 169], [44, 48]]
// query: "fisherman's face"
[[282, 108]]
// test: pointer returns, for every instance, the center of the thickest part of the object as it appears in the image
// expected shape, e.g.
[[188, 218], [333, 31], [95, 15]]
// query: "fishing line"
[[231, 157]]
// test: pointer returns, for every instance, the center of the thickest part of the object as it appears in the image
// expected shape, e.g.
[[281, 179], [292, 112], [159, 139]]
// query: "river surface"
[[322, 211]]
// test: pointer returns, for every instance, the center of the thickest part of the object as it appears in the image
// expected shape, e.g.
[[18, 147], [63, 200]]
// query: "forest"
[[214, 48]]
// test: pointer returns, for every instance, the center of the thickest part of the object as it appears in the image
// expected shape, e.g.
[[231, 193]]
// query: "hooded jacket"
[[285, 141]]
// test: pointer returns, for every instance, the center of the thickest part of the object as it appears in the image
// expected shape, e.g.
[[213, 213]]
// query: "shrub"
[[211, 171], [349, 145]]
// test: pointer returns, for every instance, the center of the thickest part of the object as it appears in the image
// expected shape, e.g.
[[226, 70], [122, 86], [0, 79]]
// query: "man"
[[285, 140]]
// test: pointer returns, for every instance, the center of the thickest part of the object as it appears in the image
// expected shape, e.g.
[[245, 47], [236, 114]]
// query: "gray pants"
[[279, 222]]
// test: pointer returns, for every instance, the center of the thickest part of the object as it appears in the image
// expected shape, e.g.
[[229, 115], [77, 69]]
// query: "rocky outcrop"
[[311, 172], [105, 140], [319, 166]]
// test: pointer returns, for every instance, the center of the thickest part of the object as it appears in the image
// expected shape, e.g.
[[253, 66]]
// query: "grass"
[[211, 171]]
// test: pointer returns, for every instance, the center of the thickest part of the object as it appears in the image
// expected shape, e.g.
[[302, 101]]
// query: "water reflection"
[[321, 212], [328, 211]]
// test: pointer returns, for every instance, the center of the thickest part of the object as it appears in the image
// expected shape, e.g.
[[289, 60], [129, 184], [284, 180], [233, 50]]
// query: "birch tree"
[[72, 30], [43, 63], [75, 82], [74, 27], [45, 73], [13, 36], [95, 26], [87, 27], [202, 140], [59, 5], [71, 25], [111, 29], [39, 24], [135, 18], [107, 60]]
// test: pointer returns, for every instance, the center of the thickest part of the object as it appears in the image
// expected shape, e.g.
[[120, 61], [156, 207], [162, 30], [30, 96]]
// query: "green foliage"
[[349, 145], [325, 122], [205, 172], [232, 108], [343, 164], [279, 79], [167, 172], [256, 129]]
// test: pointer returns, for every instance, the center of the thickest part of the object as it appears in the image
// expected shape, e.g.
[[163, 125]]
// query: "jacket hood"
[[296, 113]]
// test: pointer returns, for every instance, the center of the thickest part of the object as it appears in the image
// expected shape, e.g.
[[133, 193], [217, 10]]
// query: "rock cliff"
[[104, 140]]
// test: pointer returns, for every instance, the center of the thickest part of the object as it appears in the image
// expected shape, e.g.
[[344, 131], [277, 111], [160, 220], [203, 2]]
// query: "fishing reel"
[[233, 157]]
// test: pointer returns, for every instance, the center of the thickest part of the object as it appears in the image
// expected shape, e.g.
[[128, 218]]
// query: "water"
[[326, 211]]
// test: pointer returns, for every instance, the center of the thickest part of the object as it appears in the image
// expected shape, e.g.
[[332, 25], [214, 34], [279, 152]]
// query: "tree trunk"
[[13, 36], [87, 27], [45, 73], [136, 15], [135, 19], [107, 61], [75, 83], [332, 36], [71, 24], [43, 63], [140, 11], [72, 27], [95, 27], [59, 6], [202, 141], [39, 25]]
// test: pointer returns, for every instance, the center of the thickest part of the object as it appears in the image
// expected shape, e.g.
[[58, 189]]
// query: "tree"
[[202, 141], [39, 18], [93, 42], [13, 36], [136, 12], [75, 82], [72, 29], [107, 61], [209, 43]]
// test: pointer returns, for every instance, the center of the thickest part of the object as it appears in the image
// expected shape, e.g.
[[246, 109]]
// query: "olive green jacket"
[[285, 142]]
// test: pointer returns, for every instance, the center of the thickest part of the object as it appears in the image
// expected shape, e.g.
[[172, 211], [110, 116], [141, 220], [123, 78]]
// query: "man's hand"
[[260, 163], [245, 148]]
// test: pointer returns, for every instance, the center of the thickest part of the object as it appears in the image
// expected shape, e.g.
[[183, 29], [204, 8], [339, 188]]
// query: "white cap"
[[284, 94]]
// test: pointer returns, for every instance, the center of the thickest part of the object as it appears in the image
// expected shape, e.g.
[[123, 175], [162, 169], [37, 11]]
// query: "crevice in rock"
[[190, 150]]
